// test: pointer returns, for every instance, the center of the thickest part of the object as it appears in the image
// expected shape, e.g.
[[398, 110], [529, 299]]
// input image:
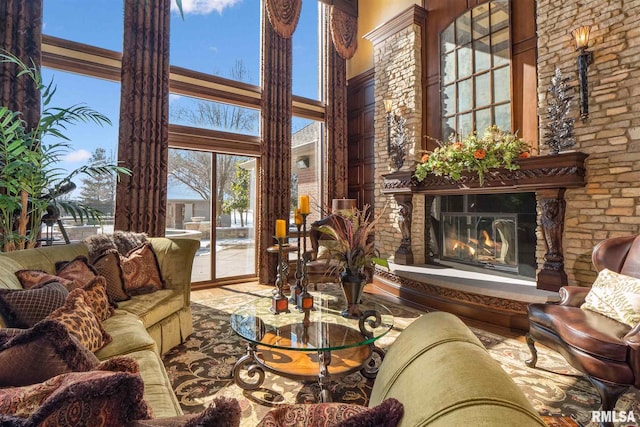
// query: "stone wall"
[[610, 203], [398, 71]]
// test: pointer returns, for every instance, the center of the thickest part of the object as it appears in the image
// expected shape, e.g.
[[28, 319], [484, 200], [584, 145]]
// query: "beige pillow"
[[616, 296]]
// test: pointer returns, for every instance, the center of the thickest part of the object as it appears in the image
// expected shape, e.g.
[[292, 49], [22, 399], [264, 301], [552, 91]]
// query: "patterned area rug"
[[201, 369]]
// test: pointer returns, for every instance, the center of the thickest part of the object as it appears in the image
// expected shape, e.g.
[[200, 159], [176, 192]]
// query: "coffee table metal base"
[[307, 366]]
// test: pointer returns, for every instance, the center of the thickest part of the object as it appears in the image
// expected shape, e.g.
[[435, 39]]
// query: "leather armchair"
[[606, 351], [320, 270]]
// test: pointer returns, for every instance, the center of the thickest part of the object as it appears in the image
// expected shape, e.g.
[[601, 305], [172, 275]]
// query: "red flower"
[[479, 154], [524, 155], [424, 158]]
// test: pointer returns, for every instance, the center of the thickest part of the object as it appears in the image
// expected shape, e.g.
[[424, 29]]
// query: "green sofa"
[[144, 327], [444, 377]]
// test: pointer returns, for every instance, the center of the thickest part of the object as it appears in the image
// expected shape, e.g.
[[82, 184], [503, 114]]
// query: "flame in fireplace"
[[458, 247]]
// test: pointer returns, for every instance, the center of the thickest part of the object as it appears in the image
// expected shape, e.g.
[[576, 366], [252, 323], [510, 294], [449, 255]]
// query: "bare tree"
[[193, 168]]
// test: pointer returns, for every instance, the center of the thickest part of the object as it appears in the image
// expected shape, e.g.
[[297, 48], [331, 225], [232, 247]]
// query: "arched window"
[[475, 61]]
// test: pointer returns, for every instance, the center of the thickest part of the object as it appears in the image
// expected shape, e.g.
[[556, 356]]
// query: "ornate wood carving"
[[404, 254], [552, 276], [455, 294], [549, 176], [559, 171]]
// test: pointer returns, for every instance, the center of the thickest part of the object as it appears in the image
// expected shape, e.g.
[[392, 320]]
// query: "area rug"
[[201, 369]]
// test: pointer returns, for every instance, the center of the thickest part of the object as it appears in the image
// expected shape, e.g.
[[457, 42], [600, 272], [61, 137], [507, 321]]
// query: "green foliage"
[[494, 149], [239, 200], [30, 180]]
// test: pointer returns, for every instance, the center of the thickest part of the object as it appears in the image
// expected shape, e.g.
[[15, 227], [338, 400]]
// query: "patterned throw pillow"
[[77, 270], [30, 279], [97, 298], [47, 350], [80, 320], [98, 398], [388, 414], [616, 296], [108, 266], [23, 308], [141, 271]]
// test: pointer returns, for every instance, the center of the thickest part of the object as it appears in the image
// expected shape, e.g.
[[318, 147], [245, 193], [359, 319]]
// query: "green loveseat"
[[144, 327], [444, 377]]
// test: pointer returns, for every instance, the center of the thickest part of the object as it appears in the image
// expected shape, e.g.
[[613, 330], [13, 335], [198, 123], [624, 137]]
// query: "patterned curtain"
[[277, 110], [141, 199], [283, 16], [336, 118], [21, 24]]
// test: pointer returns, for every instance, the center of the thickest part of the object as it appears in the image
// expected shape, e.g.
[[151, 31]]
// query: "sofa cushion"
[[151, 308], [77, 270], [616, 296], [23, 308], [387, 414], [128, 333], [108, 266], [158, 392], [141, 271], [78, 317], [47, 349], [95, 398], [96, 291], [30, 279]]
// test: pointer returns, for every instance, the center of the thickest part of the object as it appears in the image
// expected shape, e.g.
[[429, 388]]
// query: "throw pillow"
[[46, 350], [92, 399], [616, 296], [77, 270], [108, 266], [141, 271], [96, 291], [30, 279], [387, 414], [80, 320], [223, 412], [24, 308]]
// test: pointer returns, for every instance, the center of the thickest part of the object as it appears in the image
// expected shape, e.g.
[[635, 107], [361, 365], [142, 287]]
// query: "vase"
[[352, 286]]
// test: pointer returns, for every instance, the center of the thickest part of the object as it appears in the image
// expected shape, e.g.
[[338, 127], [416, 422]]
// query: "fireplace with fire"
[[494, 231]]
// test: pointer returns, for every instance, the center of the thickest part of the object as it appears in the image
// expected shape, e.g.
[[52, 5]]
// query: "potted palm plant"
[[354, 253], [31, 183]]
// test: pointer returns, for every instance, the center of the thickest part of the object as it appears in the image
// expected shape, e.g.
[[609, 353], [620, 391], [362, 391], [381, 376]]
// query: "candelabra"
[[297, 287], [279, 303], [304, 300]]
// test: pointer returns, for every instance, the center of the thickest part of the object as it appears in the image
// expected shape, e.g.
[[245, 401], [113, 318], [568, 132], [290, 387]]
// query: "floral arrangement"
[[355, 250], [494, 149]]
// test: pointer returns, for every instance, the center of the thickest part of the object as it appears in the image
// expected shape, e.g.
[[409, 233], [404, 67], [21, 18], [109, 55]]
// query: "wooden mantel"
[[548, 176]]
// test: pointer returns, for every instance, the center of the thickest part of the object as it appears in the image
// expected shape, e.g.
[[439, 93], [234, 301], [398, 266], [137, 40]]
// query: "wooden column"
[[404, 254], [552, 275]]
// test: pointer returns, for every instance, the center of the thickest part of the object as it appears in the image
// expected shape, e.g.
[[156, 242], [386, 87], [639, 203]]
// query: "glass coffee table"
[[317, 344]]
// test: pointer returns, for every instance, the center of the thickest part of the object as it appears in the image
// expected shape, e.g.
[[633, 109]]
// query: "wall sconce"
[[388, 106], [585, 58]]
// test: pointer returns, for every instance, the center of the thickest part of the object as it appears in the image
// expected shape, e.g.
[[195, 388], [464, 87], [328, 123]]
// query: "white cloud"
[[77, 156], [173, 97], [203, 7], [213, 49]]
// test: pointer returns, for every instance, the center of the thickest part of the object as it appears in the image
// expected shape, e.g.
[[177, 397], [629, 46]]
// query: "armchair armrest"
[[632, 338], [573, 295]]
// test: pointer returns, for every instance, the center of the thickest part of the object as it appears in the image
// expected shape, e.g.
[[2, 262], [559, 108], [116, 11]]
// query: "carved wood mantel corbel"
[[404, 254]]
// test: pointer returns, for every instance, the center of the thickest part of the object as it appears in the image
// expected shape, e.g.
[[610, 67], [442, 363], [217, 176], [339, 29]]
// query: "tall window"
[[306, 44], [476, 70]]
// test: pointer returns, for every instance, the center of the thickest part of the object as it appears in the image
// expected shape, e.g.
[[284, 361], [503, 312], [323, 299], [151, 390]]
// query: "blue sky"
[[212, 37]]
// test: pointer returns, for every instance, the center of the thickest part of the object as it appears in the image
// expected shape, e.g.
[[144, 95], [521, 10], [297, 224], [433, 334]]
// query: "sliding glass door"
[[211, 198]]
